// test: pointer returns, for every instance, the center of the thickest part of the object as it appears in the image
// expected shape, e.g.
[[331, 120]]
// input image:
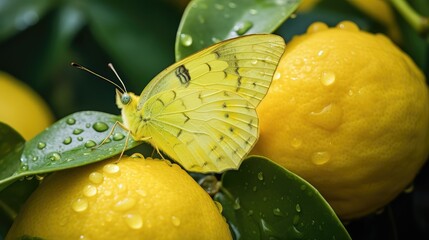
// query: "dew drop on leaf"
[[71, 121], [100, 126], [186, 39]]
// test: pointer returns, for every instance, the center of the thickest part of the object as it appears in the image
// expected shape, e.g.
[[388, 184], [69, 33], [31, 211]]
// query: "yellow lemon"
[[349, 112], [134, 198], [22, 108]]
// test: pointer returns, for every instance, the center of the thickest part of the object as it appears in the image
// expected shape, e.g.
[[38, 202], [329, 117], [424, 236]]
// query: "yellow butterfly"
[[201, 111]]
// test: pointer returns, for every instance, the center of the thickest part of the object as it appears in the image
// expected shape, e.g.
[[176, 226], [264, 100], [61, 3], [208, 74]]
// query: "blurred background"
[[39, 39]]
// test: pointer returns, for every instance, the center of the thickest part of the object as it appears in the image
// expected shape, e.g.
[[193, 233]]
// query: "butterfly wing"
[[244, 65], [205, 130]]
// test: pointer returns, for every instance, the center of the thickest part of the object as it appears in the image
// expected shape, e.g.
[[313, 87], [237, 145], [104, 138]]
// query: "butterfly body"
[[201, 111]]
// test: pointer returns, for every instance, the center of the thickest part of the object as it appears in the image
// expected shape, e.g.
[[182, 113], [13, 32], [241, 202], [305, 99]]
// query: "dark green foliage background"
[[39, 39]]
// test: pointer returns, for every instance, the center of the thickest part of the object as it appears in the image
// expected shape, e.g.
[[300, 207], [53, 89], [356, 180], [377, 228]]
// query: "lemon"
[[349, 112], [134, 198], [22, 108]]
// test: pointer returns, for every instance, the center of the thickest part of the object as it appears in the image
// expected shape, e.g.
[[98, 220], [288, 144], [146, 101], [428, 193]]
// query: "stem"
[[418, 22]]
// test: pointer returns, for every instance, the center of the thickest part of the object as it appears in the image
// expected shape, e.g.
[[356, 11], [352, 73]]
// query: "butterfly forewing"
[[204, 130], [244, 65]]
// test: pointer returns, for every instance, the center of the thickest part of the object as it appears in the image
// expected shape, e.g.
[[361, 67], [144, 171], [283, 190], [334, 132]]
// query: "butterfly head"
[[125, 100]]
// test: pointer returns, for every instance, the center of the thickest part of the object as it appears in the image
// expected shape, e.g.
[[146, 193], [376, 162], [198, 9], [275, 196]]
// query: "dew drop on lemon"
[[348, 25], [111, 168], [89, 190], [133, 220], [80, 205], [124, 204], [175, 220], [317, 27], [327, 78], [296, 143], [320, 158], [96, 177]]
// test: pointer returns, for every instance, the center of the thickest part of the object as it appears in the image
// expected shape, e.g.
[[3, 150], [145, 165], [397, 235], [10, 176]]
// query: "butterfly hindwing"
[[204, 130], [244, 65]]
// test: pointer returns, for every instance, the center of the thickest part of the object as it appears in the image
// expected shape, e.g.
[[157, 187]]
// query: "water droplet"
[[327, 78], [298, 207], [255, 188], [261, 176], [296, 143], [348, 25], [254, 61], [124, 204], [253, 11], [40, 177], [329, 117], [215, 40], [67, 140], [88, 125], [317, 27], [41, 145], [219, 6], [77, 131], [90, 144], [218, 206], [118, 136], [134, 221], [100, 126], [185, 39], [24, 167], [54, 156], [409, 189], [236, 204], [277, 76], [210, 184], [175, 220], [80, 205], [80, 139], [34, 158], [71, 121], [243, 27], [321, 53], [277, 212], [232, 5], [141, 192], [122, 187], [303, 187], [137, 155], [320, 158], [111, 168], [250, 213], [89, 190]]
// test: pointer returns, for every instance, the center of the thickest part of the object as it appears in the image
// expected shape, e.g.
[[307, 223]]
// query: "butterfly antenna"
[[123, 89], [117, 75]]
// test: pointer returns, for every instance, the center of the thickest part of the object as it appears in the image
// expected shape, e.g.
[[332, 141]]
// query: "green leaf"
[[16, 16], [138, 35], [205, 22], [71, 142], [262, 200], [11, 148]]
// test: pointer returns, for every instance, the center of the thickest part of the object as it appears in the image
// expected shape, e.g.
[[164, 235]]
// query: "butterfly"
[[201, 111]]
